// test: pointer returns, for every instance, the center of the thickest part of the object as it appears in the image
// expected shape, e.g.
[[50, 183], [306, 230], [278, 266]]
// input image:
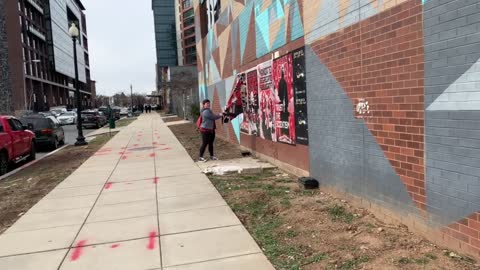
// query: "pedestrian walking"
[[207, 128]]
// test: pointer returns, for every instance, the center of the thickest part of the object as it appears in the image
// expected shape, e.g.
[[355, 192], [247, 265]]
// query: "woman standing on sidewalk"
[[207, 129]]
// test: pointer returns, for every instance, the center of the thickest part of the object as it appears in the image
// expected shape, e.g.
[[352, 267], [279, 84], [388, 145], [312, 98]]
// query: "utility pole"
[[131, 97]]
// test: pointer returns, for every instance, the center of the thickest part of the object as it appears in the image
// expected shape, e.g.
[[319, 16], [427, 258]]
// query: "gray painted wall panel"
[[344, 154], [452, 126]]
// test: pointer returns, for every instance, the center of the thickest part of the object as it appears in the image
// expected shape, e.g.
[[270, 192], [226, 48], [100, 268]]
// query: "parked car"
[[58, 111], [94, 119], [123, 112], [17, 143], [116, 112], [67, 118], [48, 130], [47, 114]]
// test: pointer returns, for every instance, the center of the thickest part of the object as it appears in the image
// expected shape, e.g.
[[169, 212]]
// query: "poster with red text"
[[282, 73], [242, 77], [266, 102], [250, 116]]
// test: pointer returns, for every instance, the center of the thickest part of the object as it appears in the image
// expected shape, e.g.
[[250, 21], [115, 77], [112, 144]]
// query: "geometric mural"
[[415, 148], [461, 95]]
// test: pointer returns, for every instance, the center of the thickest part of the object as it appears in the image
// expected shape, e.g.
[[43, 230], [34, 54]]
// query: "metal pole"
[[80, 139], [131, 98]]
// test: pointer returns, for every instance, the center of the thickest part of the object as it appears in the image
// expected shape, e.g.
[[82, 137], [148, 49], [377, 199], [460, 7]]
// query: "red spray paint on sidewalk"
[[77, 251]]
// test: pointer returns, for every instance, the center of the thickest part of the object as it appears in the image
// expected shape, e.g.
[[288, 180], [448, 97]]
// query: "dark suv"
[[93, 119], [48, 131]]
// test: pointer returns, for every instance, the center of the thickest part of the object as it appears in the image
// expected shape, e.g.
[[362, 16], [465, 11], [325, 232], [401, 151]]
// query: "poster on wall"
[[300, 94], [235, 103], [282, 74], [242, 83], [266, 102], [249, 124]]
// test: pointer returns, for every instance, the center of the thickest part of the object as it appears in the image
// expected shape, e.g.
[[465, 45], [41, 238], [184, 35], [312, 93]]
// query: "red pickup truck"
[[16, 143]]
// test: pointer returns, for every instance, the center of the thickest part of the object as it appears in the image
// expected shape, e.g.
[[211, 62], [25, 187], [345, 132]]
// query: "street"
[[70, 138]]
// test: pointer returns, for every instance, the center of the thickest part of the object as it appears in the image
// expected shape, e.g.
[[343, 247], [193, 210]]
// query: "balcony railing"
[[36, 5], [37, 33]]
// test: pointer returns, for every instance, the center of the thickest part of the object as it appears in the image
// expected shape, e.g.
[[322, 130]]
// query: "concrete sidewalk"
[[139, 203]]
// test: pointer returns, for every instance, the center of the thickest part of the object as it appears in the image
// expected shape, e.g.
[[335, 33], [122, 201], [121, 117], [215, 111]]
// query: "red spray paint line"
[[77, 251], [154, 143], [124, 157], [136, 145], [108, 185], [155, 180], [151, 240], [115, 246], [152, 155]]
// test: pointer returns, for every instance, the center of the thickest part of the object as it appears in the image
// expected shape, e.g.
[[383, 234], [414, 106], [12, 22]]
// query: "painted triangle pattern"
[[461, 95], [297, 25], [281, 38], [262, 26], [236, 126], [244, 27], [223, 48]]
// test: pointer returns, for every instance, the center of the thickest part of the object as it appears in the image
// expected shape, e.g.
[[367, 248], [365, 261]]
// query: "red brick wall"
[[466, 232], [381, 59]]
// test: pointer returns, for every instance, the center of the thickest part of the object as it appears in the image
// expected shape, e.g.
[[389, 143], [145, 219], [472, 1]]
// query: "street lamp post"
[[74, 33]]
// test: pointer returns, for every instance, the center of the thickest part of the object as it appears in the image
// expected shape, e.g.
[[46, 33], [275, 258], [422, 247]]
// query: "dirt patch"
[[24, 189], [189, 137], [308, 230], [172, 119]]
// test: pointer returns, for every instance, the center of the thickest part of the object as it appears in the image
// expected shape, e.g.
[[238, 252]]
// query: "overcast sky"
[[121, 43]]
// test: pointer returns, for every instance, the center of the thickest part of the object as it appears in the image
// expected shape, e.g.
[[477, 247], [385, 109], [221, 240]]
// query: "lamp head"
[[73, 31]]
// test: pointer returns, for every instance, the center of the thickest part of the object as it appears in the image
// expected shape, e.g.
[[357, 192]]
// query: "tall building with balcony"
[[176, 54], [187, 32], [38, 70], [165, 32], [174, 35]]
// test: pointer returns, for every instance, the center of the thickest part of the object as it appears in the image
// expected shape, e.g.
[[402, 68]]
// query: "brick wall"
[[381, 60], [416, 152], [452, 118]]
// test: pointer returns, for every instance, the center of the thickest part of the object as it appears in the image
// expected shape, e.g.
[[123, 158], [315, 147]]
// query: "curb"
[[31, 163]]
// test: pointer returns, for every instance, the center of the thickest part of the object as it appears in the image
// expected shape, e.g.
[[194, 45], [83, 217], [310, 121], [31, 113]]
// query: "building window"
[[189, 41], [188, 14], [186, 4], [190, 59], [213, 12], [73, 19], [189, 32], [190, 50], [188, 22]]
